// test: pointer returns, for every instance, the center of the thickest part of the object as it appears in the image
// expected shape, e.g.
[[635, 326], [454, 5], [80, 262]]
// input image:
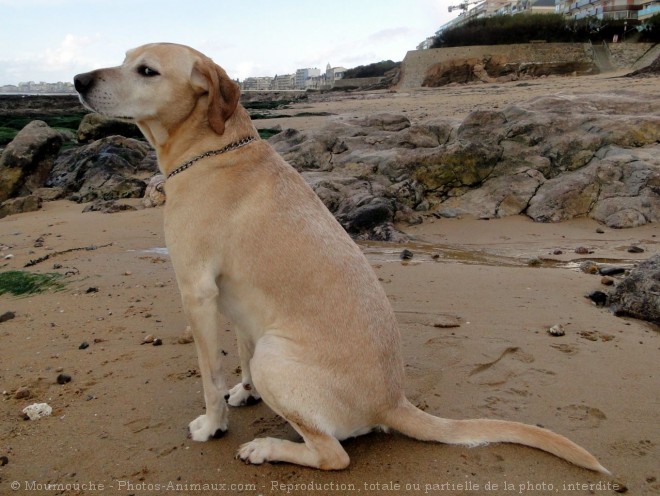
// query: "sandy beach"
[[473, 316]]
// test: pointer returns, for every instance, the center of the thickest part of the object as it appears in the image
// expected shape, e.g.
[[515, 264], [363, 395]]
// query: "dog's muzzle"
[[84, 82]]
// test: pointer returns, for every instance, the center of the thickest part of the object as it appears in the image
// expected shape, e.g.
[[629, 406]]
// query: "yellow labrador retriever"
[[248, 238]]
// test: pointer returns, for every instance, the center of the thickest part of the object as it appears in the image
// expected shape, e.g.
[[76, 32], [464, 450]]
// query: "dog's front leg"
[[201, 304]]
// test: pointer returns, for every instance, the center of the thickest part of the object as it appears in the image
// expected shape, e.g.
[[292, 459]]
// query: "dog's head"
[[163, 83]]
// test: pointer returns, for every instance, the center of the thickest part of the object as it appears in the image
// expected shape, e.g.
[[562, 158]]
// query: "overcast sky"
[[52, 40]]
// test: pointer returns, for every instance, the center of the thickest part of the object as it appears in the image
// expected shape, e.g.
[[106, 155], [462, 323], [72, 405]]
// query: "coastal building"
[[30, 87], [333, 74], [608, 9], [262, 83], [302, 75], [283, 82]]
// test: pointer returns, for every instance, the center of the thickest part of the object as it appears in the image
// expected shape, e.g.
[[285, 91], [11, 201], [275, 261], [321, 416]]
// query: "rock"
[[446, 322], [37, 411], [3, 461], [606, 281], [638, 295], [22, 393], [406, 255], [186, 337], [635, 249], [96, 126], [83, 346], [63, 378], [598, 297], [556, 330], [148, 339], [107, 207], [28, 159], [154, 195], [610, 271], [20, 205], [108, 169], [589, 267], [157, 342], [583, 250], [49, 194], [7, 316]]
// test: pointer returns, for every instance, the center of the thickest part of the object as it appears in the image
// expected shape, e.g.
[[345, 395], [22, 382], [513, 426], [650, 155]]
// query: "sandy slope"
[[119, 427]]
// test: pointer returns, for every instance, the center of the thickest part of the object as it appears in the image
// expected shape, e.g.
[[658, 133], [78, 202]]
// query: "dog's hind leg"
[[244, 393], [319, 450], [200, 301]]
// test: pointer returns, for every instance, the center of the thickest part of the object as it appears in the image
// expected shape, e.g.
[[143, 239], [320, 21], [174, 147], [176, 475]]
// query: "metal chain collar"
[[228, 148]]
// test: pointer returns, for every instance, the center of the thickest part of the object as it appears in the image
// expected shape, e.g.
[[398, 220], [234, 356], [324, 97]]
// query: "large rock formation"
[[638, 295], [26, 162], [552, 158], [107, 169]]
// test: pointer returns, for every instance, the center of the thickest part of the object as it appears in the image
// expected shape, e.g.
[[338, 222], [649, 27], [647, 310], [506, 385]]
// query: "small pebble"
[[128, 273], [556, 330], [598, 297], [611, 271], [600, 230], [406, 255], [534, 262], [149, 338], [157, 342], [7, 316], [557, 252], [22, 393], [635, 249], [582, 250], [186, 337], [92, 289], [83, 346], [606, 280], [3, 461], [57, 266], [589, 267], [63, 378]]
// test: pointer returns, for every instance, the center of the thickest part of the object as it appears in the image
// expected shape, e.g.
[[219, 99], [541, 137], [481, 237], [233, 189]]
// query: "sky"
[[52, 40]]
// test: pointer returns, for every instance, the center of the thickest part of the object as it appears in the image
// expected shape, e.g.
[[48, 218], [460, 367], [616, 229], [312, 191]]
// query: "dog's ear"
[[223, 93]]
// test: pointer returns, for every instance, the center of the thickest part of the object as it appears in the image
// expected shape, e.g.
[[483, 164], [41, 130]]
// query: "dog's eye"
[[145, 71]]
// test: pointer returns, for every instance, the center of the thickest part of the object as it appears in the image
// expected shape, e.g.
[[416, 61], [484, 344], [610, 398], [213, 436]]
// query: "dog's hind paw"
[[257, 451], [242, 394], [202, 429]]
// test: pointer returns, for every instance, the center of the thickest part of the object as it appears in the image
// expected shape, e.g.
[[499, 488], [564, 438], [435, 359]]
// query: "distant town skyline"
[[52, 40]]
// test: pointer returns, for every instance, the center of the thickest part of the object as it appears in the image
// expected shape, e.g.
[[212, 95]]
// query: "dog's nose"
[[83, 82]]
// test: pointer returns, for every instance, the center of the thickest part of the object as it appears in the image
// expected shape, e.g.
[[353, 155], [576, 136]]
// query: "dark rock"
[[22, 393], [107, 207], [63, 378], [20, 205], [92, 289], [157, 342], [582, 250], [611, 271], [598, 297], [638, 295], [83, 346], [107, 169], [95, 126], [3, 461], [635, 249], [406, 255], [27, 161], [7, 316]]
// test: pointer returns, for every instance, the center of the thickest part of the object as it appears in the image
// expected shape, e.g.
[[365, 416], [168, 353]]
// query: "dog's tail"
[[413, 422]]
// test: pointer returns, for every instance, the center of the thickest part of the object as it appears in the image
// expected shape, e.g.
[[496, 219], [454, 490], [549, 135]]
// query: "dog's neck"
[[173, 146]]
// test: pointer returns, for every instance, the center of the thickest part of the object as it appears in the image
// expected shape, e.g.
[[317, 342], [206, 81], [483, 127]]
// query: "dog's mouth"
[[100, 111]]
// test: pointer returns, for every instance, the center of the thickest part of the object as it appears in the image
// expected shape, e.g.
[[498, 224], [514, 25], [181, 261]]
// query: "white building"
[[302, 75], [608, 9]]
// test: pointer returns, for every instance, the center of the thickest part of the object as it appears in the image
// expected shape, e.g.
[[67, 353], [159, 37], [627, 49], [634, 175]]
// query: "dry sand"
[[119, 426]]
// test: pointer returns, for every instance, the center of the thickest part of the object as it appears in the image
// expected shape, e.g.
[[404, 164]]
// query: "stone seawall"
[[418, 65]]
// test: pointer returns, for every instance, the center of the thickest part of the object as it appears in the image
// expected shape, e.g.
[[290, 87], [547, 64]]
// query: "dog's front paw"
[[203, 428], [242, 394], [257, 451]]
